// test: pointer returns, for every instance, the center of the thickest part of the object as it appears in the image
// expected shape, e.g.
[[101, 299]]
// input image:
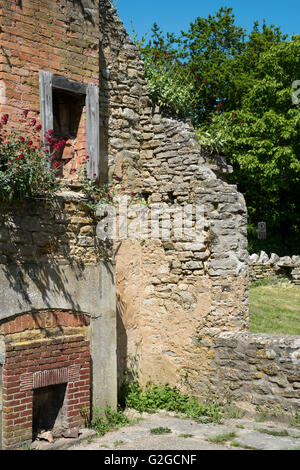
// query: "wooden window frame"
[[49, 82]]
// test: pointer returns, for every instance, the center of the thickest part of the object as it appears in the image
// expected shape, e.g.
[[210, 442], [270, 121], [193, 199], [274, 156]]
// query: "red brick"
[[11, 403]]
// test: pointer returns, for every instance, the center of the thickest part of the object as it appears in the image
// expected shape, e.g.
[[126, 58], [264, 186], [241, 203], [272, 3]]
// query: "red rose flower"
[[4, 118]]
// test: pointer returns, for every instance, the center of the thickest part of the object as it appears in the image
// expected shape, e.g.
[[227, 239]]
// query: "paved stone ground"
[[242, 433]]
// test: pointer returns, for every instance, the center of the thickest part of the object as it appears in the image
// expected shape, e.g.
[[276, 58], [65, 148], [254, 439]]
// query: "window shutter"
[[46, 105], [92, 130]]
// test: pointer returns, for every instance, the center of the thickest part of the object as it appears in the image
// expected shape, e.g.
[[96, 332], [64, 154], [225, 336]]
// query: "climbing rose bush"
[[28, 167]]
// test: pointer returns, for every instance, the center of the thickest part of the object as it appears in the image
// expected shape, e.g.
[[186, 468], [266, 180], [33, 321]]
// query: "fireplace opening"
[[49, 409]]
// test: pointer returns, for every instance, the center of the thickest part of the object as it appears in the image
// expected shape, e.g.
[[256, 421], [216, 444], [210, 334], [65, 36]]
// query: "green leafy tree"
[[170, 80], [206, 69], [261, 139], [209, 46]]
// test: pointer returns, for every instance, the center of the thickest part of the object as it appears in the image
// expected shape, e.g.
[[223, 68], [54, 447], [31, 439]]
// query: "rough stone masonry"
[[181, 313], [179, 302]]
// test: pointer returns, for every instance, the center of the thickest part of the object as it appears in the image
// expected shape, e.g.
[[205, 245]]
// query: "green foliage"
[[234, 412], [283, 244], [296, 420], [274, 309], [107, 419], [160, 430], [165, 397], [171, 82], [221, 438], [207, 68], [242, 446], [264, 282], [272, 432], [114, 3], [95, 194], [262, 141], [31, 168]]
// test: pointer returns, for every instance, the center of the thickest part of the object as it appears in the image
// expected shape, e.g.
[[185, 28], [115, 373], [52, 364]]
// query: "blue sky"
[[174, 15]]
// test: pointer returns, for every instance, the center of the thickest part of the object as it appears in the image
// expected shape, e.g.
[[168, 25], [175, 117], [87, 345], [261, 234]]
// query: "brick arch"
[[43, 349], [41, 319]]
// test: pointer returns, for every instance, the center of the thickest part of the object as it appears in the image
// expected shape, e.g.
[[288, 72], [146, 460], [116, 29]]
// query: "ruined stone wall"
[[189, 288], [258, 371], [50, 256], [168, 291], [274, 267], [182, 307], [50, 259], [60, 230]]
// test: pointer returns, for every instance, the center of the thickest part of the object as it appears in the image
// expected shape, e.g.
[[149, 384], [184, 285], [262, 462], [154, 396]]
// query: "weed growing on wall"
[[95, 194]]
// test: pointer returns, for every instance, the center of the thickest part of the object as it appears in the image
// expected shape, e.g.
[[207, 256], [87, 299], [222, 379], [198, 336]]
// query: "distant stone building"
[[74, 313]]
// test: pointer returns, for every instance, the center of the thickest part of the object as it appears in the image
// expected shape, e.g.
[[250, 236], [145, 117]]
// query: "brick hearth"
[[42, 350]]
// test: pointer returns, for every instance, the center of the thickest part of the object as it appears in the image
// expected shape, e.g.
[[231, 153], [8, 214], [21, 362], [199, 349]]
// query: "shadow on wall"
[[43, 259], [122, 341], [128, 364]]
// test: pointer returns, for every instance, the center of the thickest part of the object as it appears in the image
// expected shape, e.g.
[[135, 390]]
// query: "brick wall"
[[59, 37], [43, 349], [53, 36]]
